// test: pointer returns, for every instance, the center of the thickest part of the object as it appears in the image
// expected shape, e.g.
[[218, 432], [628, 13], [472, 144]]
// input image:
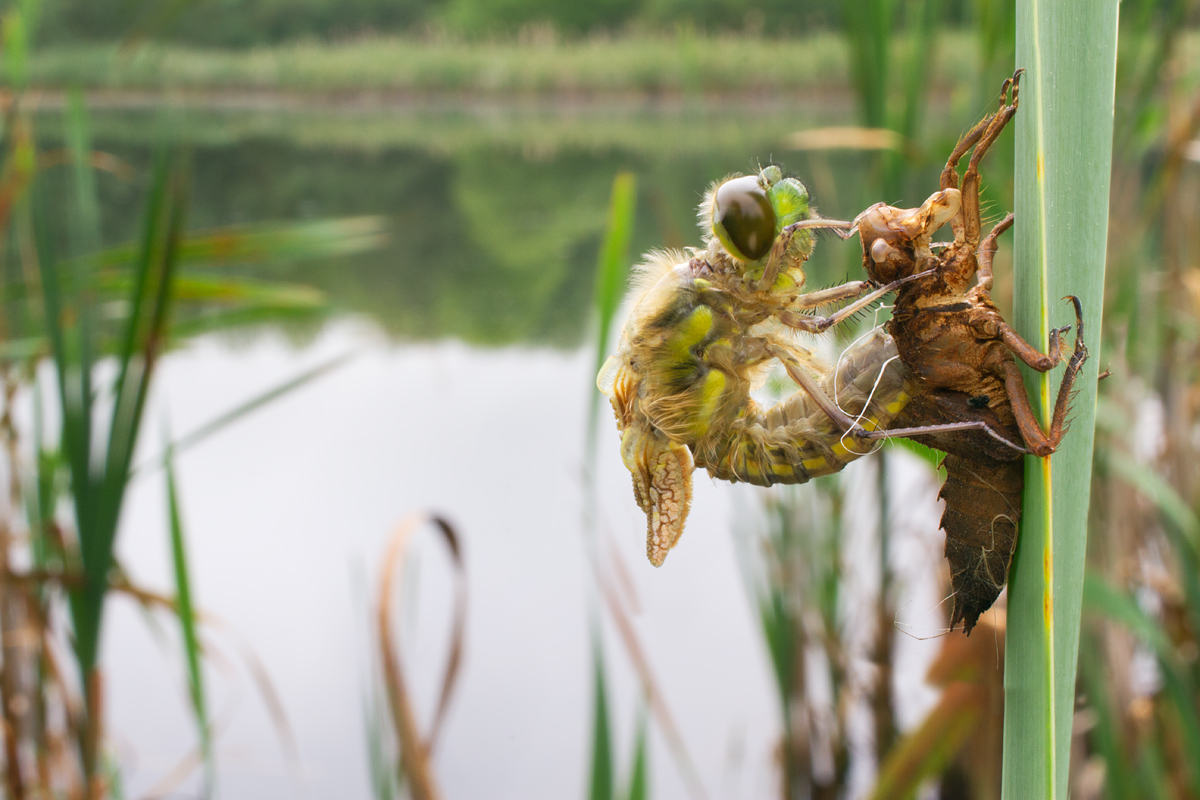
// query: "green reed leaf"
[[611, 268], [1178, 681], [185, 610], [1064, 150], [639, 778], [602, 784]]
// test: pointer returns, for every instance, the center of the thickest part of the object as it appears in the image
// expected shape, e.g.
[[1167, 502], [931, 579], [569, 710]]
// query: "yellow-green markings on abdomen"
[[896, 406]]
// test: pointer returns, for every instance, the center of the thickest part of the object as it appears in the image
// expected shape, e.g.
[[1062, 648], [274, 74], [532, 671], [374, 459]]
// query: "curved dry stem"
[[415, 752]]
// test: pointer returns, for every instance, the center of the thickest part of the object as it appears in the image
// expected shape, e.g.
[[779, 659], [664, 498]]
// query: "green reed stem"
[[1064, 150]]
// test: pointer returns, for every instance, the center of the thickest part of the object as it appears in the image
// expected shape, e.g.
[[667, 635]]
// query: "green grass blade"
[[32, 11], [187, 623], [113, 779], [145, 335], [243, 316], [1177, 685], [639, 778], [379, 758], [994, 37], [1063, 155], [868, 26], [86, 235], [87, 227], [274, 242], [14, 30], [1156, 489], [1106, 737], [231, 416], [153, 224], [1108, 601], [226, 291], [922, 21], [602, 784], [56, 325], [611, 268], [924, 18], [42, 496], [1153, 773], [76, 411], [144, 338]]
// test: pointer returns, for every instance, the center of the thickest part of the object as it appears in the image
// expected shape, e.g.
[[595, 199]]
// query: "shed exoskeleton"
[[959, 354]]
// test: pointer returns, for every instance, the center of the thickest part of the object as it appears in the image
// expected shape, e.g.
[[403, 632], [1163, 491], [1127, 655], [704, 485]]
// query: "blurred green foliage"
[[229, 23], [243, 23], [491, 244]]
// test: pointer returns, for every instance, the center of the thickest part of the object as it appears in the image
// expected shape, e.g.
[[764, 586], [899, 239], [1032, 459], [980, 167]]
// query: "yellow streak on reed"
[[1043, 381]]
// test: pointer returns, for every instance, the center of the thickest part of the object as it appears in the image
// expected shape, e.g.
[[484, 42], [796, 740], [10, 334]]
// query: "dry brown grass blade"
[[927, 750], [175, 776], [270, 696], [641, 665], [967, 723], [1179, 147], [99, 160], [262, 679], [845, 138], [415, 752], [168, 785], [147, 598]]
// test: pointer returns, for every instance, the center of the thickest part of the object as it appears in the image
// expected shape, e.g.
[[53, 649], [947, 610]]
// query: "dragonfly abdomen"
[[795, 440]]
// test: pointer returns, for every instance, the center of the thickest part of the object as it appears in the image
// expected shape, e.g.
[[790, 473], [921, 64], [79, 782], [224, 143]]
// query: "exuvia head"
[[896, 241], [746, 213]]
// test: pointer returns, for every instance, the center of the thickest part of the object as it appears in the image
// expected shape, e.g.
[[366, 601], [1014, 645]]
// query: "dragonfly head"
[[745, 213]]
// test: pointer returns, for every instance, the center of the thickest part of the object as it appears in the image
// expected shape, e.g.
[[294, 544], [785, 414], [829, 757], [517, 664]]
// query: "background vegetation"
[[241, 23]]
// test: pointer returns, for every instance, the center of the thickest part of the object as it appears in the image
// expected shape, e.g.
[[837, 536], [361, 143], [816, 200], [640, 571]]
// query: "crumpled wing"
[[662, 483]]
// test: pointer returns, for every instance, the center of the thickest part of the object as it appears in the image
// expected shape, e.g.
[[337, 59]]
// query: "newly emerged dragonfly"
[[705, 325]]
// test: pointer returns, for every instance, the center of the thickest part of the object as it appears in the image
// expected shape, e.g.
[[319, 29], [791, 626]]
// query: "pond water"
[[468, 395]]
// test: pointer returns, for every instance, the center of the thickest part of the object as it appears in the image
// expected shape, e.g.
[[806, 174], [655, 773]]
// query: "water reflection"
[[493, 241]]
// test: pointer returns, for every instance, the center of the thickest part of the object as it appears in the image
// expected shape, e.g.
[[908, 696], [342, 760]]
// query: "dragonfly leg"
[[803, 322], [987, 251], [1043, 443], [797, 372], [784, 241], [950, 427], [835, 294], [1044, 362], [841, 227], [970, 182], [968, 140], [949, 178]]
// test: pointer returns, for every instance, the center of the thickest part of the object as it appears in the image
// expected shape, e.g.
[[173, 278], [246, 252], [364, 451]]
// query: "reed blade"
[[1063, 155], [185, 610], [611, 268], [602, 782]]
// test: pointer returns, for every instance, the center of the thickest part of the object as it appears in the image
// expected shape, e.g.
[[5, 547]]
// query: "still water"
[[467, 395]]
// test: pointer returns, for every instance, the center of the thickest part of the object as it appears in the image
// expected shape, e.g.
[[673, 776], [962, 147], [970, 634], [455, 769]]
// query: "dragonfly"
[[706, 323]]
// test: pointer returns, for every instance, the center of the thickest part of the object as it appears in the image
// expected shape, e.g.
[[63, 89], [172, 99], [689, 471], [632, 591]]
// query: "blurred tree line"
[[244, 23]]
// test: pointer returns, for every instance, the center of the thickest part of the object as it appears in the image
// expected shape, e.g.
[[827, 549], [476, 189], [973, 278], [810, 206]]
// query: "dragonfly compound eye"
[[743, 219]]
